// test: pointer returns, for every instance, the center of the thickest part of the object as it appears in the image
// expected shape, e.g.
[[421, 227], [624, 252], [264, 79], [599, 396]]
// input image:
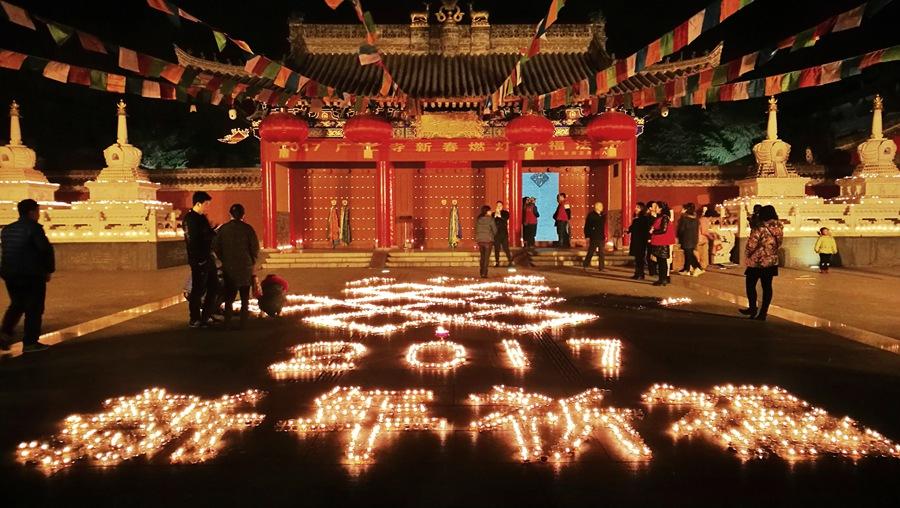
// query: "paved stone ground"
[[696, 346]]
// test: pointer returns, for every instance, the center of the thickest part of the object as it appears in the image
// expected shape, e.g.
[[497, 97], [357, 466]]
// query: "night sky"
[[69, 125]]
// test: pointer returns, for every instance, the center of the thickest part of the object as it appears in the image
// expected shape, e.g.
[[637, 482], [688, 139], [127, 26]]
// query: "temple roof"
[[455, 61]]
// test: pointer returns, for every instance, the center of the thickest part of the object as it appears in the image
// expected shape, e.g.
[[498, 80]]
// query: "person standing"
[[530, 217], [198, 236], [237, 247], [640, 235], [688, 233], [501, 240], [595, 233], [561, 219], [485, 232], [761, 254], [662, 237], [26, 265], [825, 247]]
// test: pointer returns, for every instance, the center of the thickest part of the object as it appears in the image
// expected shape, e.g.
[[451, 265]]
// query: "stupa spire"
[[877, 106], [15, 130], [122, 129], [772, 127]]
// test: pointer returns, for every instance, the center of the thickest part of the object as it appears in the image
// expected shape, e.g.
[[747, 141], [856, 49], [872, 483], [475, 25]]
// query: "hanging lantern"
[[609, 130], [285, 129], [369, 130], [529, 131], [612, 126]]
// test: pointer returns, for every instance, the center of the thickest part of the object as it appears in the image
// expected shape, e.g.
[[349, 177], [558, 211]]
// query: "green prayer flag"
[[804, 39], [156, 67], [720, 75], [791, 81], [271, 70], [891, 54], [666, 44], [98, 80], [369, 23], [60, 33], [220, 40]]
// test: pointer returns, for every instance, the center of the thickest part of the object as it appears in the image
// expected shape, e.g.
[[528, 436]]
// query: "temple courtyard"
[[823, 348]]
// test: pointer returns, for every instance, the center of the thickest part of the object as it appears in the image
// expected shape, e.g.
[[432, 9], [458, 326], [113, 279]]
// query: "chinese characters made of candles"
[[142, 425], [572, 420], [515, 356], [757, 421], [365, 415], [609, 351]]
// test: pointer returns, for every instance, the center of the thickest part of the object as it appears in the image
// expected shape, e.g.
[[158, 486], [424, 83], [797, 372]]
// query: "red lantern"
[[283, 128], [612, 126], [368, 129], [529, 130]]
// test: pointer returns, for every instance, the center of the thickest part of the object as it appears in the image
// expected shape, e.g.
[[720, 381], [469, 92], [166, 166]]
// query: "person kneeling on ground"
[[271, 296]]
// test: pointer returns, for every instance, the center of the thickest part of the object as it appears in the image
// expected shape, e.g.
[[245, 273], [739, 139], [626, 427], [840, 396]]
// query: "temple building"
[[445, 138]]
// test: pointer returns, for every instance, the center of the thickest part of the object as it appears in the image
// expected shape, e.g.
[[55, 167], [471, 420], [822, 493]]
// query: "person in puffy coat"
[[485, 233], [761, 253], [237, 247]]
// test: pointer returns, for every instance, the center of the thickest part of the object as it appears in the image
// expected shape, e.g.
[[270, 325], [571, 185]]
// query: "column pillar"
[[629, 184], [269, 207], [384, 207], [293, 232], [513, 180]]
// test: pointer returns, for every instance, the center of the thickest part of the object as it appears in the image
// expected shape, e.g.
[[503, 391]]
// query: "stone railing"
[[701, 176], [171, 179]]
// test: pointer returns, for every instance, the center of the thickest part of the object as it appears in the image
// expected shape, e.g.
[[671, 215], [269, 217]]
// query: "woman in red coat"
[[662, 237]]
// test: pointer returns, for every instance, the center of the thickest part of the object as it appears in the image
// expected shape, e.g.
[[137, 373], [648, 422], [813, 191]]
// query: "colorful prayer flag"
[[11, 59], [57, 71], [79, 76], [161, 5], [128, 60], [60, 33], [115, 83], [220, 39], [91, 43], [850, 19], [17, 15], [333, 3]]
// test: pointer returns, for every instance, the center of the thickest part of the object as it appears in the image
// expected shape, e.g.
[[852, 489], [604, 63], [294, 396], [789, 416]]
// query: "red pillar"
[[292, 208], [513, 180], [384, 207], [269, 205], [629, 182]]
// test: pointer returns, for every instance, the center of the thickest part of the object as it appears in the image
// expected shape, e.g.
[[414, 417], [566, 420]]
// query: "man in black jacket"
[[501, 239], [198, 235], [640, 235], [26, 265], [595, 233]]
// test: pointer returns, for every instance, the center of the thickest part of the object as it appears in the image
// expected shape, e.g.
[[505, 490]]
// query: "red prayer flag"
[[705, 80], [824, 27], [150, 89], [128, 59], [653, 54], [621, 71], [91, 43], [242, 44], [183, 13], [282, 77], [17, 15], [79, 76], [552, 13], [167, 91], [740, 91], [115, 83], [57, 71], [831, 72], [680, 36], [810, 77], [11, 59], [726, 92], [748, 63], [728, 8], [172, 73], [850, 19], [870, 59], [333, 3], [161, 5], [773, 84]]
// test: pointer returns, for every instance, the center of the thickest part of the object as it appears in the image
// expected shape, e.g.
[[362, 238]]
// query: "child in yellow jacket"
[[825, 247]]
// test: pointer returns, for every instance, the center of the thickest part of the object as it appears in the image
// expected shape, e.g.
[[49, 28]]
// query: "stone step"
[[307, 259], [268, 266], [320, 255], [402, 264], [426, 254]]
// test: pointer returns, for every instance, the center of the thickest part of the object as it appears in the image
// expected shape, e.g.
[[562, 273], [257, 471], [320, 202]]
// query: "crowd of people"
[[223, 260]]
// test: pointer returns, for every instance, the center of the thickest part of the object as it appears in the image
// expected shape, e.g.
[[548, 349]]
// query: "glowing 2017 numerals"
[[515, 356], [318, 357]]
